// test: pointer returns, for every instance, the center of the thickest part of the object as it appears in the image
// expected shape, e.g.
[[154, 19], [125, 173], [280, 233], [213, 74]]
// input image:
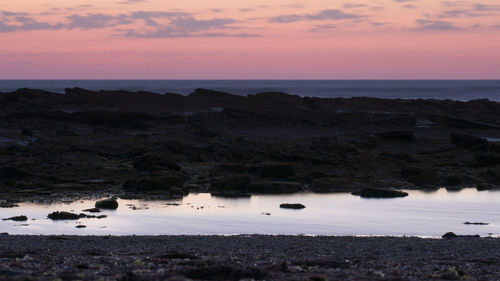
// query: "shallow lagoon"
[[420, 214]]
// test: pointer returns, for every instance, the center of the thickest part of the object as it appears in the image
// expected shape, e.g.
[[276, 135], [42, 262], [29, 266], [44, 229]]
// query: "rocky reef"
[[138, 144]]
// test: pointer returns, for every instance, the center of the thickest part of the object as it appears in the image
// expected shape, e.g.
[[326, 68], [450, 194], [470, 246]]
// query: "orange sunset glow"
[[221, 39]]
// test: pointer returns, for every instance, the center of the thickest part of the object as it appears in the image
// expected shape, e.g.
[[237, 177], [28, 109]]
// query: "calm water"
[[437, 89], [419, 214]]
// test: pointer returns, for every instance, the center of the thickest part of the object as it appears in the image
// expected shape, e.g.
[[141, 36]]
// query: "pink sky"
[[222, 39]]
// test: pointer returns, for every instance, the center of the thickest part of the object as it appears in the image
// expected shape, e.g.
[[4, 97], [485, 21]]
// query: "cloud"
[[126, 2], [453, 3], [12, 21], [434, 25], [322, 15], [93, 21], [484, 7], [353, 5], [466, 9], [323, 28], [155, 24]]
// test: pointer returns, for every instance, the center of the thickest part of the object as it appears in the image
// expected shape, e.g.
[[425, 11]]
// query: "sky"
[[249, 39]]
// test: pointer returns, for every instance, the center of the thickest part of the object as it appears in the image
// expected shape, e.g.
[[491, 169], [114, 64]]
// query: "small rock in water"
[[379, 193], [295, 206], [81, 226], [63, 216], [265, 214], [93, 210], [17, 218], [449, 235], [107, 204], [477, 223]]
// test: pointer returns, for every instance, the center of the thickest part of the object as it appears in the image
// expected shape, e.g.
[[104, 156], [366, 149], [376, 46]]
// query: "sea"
[[461, 90]]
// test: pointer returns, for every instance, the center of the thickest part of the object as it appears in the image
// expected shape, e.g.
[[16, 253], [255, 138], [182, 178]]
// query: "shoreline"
[[258, 257]]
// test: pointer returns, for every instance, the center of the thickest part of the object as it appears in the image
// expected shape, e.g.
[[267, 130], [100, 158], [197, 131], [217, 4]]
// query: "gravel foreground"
[[247, 257]]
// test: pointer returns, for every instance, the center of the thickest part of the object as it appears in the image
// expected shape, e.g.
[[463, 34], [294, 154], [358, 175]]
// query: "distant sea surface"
[[462, 90]]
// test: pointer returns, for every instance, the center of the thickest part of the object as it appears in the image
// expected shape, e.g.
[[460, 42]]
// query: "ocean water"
[[426, 214], [462, 90]]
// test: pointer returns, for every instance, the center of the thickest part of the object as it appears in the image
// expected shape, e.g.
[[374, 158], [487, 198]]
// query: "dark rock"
[[5, 273], [452, 273], [7, 204], [295, 206], [235, 182], [225, 272], [179, 255], [486, 160], [155, 162], [275, 170], [81, 226], [379, 193], [63, 216], [336, 184], [231, 194], [27, 132], [160, 183], [317, 278], [107, 204], [476, 223], [449, 235], [486, 186], [234, 168], [176, 191], [461, 123], [409, 171], [397, 135], [17, 218], [93, 210], [426, 178], [327, 263], [13, 173], [275, 187], [452, 180], [467, 141]]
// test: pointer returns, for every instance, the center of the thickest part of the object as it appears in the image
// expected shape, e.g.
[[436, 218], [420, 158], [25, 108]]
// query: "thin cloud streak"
[[331, 14]]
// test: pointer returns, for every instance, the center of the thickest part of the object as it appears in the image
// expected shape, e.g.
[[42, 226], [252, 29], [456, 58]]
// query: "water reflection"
[[422, 213]]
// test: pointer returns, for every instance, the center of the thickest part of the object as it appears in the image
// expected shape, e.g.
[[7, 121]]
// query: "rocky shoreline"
[[145, 145], [247, 257], [86, 144]]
